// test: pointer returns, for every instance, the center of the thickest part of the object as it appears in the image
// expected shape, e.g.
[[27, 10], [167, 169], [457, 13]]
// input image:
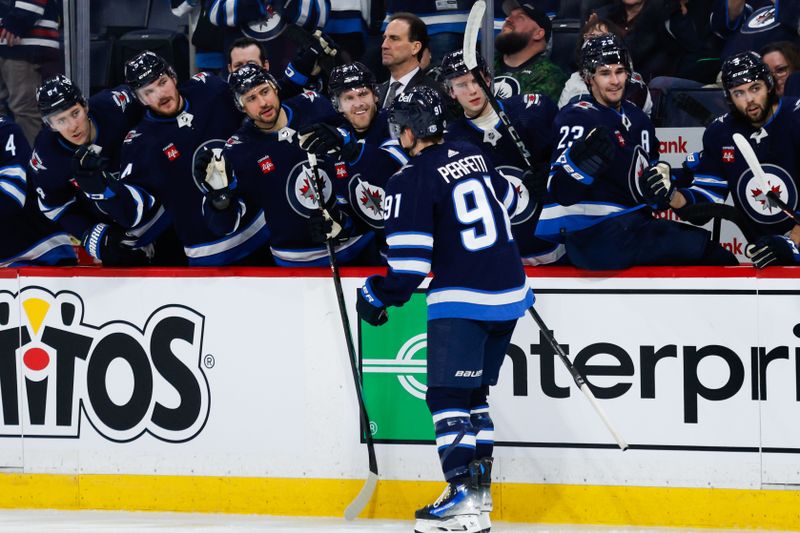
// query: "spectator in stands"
[[404, 42], [643, 25], [576, 89], [445, 22], [247, 50], [29, 38], [522, 65], [208, 40], [752, 25], [783, 60], [697, 48]]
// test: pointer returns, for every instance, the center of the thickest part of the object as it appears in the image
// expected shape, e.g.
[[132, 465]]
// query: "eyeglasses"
[[781, 70]]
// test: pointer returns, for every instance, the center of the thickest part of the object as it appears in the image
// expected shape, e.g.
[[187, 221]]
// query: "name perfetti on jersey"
[[461, 167]]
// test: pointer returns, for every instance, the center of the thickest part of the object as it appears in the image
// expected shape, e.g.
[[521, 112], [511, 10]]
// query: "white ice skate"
[[480, 472], [458, 509]]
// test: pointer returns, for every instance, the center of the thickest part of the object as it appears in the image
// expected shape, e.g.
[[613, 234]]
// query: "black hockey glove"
[[536, 182], [656, 185], [214, 177], [323, 139], [89, 172], [325, 225], [106, 243], [775, 250], [593, 153], [369, 306], [306, 63]]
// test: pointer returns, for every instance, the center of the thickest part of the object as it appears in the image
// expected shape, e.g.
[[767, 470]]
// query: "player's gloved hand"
[[306, 63], [592, 154], [656, 185], [325, 225], [106, 243], [213, 175], [89, 172], [323, 139], [536, 182], [773, 250], [369, 306]]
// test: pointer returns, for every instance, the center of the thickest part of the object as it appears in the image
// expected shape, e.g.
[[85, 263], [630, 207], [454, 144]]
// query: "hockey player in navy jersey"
[[603, 165], [31, 239], [532, 116], [263, 167], [447, 212], [770, 125], [367, 155], [75, 164], [158, 160]]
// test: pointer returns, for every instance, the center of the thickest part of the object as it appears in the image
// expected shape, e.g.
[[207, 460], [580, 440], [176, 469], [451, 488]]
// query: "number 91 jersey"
[[446, 211]]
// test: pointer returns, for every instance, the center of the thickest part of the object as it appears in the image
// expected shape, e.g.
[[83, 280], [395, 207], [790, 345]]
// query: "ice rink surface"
[[23, 521]]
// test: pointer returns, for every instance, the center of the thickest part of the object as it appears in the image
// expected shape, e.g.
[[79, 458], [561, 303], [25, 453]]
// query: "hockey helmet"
[[453, 65], [421, 110], [746, 67], [58, 94], [146, 68], [350, 76], [246, 78], [607, 49]]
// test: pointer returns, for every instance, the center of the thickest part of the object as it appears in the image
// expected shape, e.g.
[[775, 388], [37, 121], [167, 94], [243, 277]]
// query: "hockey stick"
[[699, 214], [772, 199], [580, 381], [364, 496]]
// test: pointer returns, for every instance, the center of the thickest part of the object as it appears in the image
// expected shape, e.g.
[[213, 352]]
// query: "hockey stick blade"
[[474, 21], [580, 381], [772, 199], [363, 498]]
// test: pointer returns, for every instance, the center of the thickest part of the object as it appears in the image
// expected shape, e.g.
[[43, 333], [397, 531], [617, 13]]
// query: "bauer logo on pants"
[[57, 371]]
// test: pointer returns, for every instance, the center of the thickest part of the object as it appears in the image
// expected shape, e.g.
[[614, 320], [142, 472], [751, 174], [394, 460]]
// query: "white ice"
[[29, 521]]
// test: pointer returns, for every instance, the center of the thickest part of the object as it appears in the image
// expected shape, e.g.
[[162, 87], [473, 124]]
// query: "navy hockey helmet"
[[420, 110], [453, 65], [350, 76], [58, 94], [603, 50], [746, 67], [146, 68], [246, 78]]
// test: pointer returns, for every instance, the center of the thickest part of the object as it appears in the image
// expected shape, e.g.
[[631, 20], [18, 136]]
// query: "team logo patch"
[[728, 154], [506, 87], [36, 162], [267, 28], [761, 20], [583, 104], [266, 165], [201, 76], [367, 199], [121, 98], [171, 151], [526, 204], [300, 190], [131, 136], [310, 95], [233, 140], [639, 164], [531, 99], [341, 170], [750, 192]]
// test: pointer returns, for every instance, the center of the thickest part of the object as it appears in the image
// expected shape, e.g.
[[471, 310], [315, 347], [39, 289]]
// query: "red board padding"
[[360, 272]]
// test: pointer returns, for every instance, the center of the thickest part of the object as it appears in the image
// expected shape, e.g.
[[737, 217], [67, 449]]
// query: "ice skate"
[[480, 472], [457, 509]]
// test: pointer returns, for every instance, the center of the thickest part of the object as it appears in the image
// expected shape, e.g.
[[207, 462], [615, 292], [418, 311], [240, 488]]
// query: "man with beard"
[[522, 66], [367, 155], [264, 167], [532, 116], [769, 124], [158, 158], [606, 178]]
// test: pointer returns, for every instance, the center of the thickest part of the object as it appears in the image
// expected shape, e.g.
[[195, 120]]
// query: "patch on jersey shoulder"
[[130, 137], [200, 76], [310, 95], [750, 192], [640, 162], [36, 162], [728, 154], [761, 20], [367, 199], [583, 104], [526, 204], [532, 99], [506, 87], [300, 189], [451, 153], [121, 98], [232, 140]]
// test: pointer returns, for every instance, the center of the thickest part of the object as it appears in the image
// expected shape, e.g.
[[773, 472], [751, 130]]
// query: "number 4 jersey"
[[446, 212]]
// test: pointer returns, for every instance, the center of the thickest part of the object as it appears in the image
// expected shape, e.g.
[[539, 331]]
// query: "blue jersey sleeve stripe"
[[473, 296], [711, 195], [14, 191], [418, 240], [410, 266], [710, 181], [53, 213], [14, 172]]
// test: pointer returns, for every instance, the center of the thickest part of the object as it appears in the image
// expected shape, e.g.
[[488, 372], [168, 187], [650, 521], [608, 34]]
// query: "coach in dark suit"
[[404, 41]]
